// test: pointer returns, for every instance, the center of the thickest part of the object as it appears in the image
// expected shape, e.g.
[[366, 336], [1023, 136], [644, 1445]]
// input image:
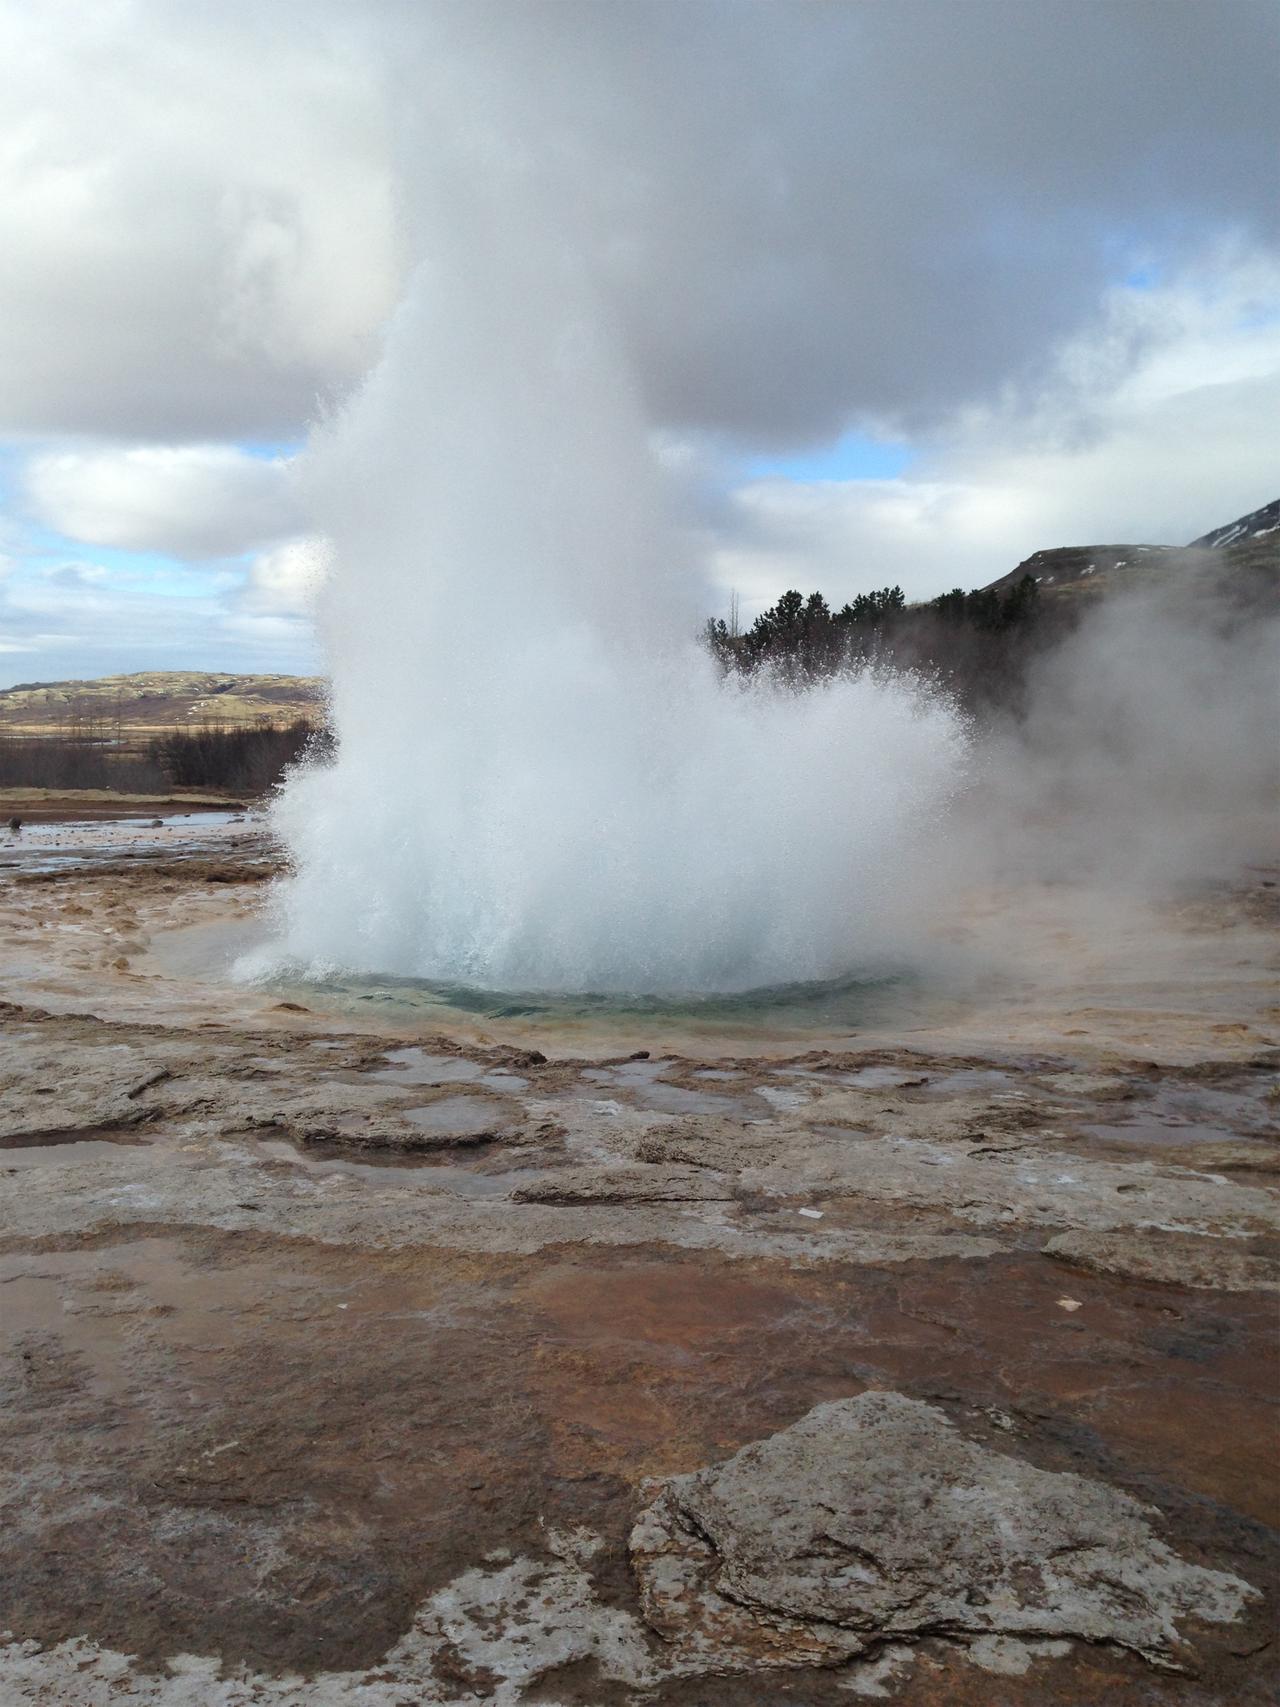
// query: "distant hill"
[[1251, 542], [1079, 568], [131, 709], [1256, 525]]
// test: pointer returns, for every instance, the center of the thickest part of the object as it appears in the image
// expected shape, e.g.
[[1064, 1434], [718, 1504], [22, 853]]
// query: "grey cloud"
[[805, 213], [798, 213], [195, 219]]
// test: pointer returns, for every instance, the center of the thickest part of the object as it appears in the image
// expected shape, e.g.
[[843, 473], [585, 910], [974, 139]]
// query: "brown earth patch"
[[276, 1450]]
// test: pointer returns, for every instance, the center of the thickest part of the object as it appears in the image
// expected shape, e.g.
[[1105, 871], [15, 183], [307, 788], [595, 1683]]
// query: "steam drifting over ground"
[[1147, 754]]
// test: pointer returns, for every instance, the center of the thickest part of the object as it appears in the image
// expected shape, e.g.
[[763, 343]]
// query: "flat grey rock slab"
[[875, 1520]]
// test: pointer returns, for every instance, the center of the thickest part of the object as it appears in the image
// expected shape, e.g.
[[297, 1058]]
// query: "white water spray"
[[541, 783]]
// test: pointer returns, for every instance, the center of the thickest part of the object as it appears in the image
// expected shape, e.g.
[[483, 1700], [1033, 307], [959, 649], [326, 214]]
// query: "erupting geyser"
[[541, 782]]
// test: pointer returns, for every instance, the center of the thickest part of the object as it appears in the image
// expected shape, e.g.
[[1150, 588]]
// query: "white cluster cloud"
[[194, 501]]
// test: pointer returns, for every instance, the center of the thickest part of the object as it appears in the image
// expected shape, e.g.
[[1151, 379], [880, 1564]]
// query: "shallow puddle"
[[1144, 1133], [647, 1089], [967, 1079], [864, 1079], [883, 1079], [95, 1300], [41, 1304], [1188, 1114], [75, 843], [418, 1067], [64, 1153], [782, 1097], [466, 1116], [422, 1171]]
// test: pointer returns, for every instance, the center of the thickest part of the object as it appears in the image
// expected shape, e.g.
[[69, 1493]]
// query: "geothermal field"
[[574, 1150], [913, 1339]]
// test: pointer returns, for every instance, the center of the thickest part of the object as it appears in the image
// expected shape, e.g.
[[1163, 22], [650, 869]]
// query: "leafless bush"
[[237, 761], [58, 762]]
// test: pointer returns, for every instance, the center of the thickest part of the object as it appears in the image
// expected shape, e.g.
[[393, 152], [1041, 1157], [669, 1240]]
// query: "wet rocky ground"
[[347, 1364]]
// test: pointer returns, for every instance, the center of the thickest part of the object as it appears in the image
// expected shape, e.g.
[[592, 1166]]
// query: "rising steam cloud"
[[540, 781]]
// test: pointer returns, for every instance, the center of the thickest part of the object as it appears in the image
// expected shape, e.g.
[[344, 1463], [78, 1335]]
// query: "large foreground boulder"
[[874, 1520]]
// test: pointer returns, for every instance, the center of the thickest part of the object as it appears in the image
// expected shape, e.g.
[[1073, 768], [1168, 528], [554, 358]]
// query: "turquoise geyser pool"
[[872, 999]]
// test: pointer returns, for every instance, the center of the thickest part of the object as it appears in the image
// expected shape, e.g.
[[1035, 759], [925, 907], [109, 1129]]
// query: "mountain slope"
[[1256, 525], [1250, 543]]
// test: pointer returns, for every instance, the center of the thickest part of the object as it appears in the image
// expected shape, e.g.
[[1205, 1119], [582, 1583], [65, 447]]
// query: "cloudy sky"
[[910, 288]]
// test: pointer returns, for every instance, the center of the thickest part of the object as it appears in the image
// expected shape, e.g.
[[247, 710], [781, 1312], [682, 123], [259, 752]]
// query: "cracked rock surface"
[[872, 1519]]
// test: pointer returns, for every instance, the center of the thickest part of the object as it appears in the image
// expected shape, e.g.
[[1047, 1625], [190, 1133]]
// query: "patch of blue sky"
[[853, 456], [278, 450], [11, 461], [1147, 275], [42, 549], [1139, 259], [1258, 317]]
